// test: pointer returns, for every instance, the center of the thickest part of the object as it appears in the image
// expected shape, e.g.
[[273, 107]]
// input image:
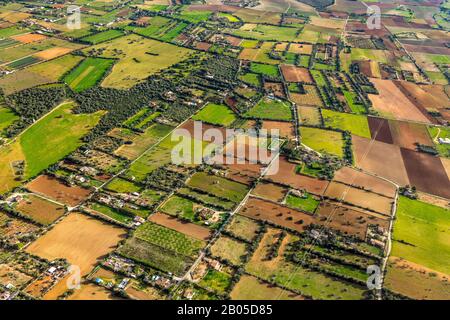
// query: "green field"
[[54, 137], [23, 62], [111, 212], [122, 186], [266, 32], [356, 124], [216, 280], [178, 206], [307, 203], [7, 117], [323, 140], [169, 239], [350, 97], [265, 69], [88, 73], [218, 186], [138, 58], [440, 132], [251, 78], [103, 36], [421, 234], [154, 256], [270, 109], [216, 114], [161, 28]]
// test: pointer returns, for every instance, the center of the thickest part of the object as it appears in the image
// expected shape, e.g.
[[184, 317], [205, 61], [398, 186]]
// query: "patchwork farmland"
[[127, 149]]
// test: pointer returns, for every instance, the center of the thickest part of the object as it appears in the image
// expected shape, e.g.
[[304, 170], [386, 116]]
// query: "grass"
[[350, 97], [23, 62], [420, 234], [296, 277], [206, 198], [11, 31], [265, 69], [103, 36], [440, 132], [178, 206], [138, 58], [216, 280], [251, 78], [356, 124], [111, 212], [170, 239], [318, 78], [154, 256], [54, 137], [229, 249], [193, 16], [307, 203], [246, 43], [323, 140], [243, 227], [88, 73], [122, 186], [7, 117], [54, 69], [218, 186], [270, 109], [216, 114], [266, 32]]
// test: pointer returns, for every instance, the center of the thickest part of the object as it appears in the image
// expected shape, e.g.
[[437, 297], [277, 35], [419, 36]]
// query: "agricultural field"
[[111, 159], [137, 57], [88, 73]]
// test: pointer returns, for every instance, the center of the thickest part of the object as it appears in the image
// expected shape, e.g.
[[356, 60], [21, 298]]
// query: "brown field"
[[40, 210], [406, 134], [380, 158], [348, 219], [189, 126], [11, 228], [40, 286], [10, 275], [56, 190], [29, 37], [363, 180], [190, 229], [14, 16], [434, 200], [251, 288], [311, 98], [308, 115], [80, 239], [203, 46], [286, 175], [136, 292], [52, 53], [286, 128], [426, 173], [89, 291], [301, 48], [276, 87], [281, 46], [391, 102], [379, 129], [270, 191], [416, 281], [360, 198], [295, 74], [243, 227], [234, 41]]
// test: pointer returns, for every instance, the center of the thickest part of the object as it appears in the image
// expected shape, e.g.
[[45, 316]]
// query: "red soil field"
[[57, 190], [359, 197], [406, 134], [286, 128], [270, 191], [357, 178], [234, 41], [348, 219], [392, 102], [203, 46], [276, 87], [379, 130], [380, 158], [295, 74], [286, 175], [187, 228], [426, 173]]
